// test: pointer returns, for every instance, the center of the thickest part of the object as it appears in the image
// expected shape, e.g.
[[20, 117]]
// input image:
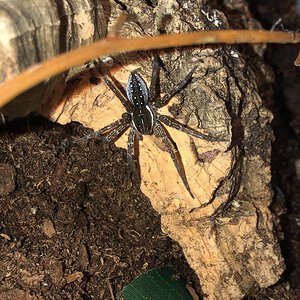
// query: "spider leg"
[[115, 133], [177, 125], [179, 86], [132, 153], [154, 79], [161, 132], [108, 129], [124, 120], [112, 85]]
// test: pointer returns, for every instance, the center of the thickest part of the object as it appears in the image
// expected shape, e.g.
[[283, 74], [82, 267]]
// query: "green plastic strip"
[[156, 284]]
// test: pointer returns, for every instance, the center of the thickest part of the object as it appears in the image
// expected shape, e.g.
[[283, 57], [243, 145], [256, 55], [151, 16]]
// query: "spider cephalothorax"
[[143, 118]]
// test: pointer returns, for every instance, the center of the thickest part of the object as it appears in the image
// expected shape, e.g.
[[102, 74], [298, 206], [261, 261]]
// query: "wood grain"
[[36, 31]]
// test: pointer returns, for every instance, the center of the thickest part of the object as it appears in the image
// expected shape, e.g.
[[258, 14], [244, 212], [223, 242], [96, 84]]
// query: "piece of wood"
[[34, 31], [226, 232]]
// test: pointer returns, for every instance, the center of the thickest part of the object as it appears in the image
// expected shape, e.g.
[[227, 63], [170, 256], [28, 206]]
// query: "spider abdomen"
[[143, 119]]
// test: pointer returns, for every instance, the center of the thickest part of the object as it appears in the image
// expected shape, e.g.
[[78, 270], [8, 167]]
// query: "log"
[[34, 31], [226, 231]]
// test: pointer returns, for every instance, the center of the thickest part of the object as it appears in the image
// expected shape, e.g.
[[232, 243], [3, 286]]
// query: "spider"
[[143, 118]]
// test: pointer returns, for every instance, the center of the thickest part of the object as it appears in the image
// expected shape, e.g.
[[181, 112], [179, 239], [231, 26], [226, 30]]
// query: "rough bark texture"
[[226, 232], [34, 31]]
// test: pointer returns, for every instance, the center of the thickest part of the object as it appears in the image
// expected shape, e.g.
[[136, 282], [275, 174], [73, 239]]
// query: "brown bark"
[[226, 232], [34, 31]]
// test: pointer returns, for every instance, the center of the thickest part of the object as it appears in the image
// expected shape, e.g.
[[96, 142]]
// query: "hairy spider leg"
[[115, 133], [177, 125], [168, 96], [161, 132], [153, 94], [124, 120], [113, 126], [132, 153], [112, 85]]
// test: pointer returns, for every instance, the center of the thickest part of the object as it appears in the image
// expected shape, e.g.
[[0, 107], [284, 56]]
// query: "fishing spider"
[[143, 118]]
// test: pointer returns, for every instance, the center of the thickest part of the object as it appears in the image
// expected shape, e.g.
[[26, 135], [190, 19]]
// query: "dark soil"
[[73, 224]]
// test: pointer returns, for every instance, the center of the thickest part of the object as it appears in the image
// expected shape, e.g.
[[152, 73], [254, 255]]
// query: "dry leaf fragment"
[[48, 228], [74, 276]]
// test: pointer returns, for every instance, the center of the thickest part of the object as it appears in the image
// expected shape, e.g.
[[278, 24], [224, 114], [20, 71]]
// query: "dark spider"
[[143, 118]]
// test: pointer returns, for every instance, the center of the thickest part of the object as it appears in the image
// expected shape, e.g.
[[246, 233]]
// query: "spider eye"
[[136, 90]]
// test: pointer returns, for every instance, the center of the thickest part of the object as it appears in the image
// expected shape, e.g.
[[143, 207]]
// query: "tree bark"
[[226, 231], [34, 31]]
